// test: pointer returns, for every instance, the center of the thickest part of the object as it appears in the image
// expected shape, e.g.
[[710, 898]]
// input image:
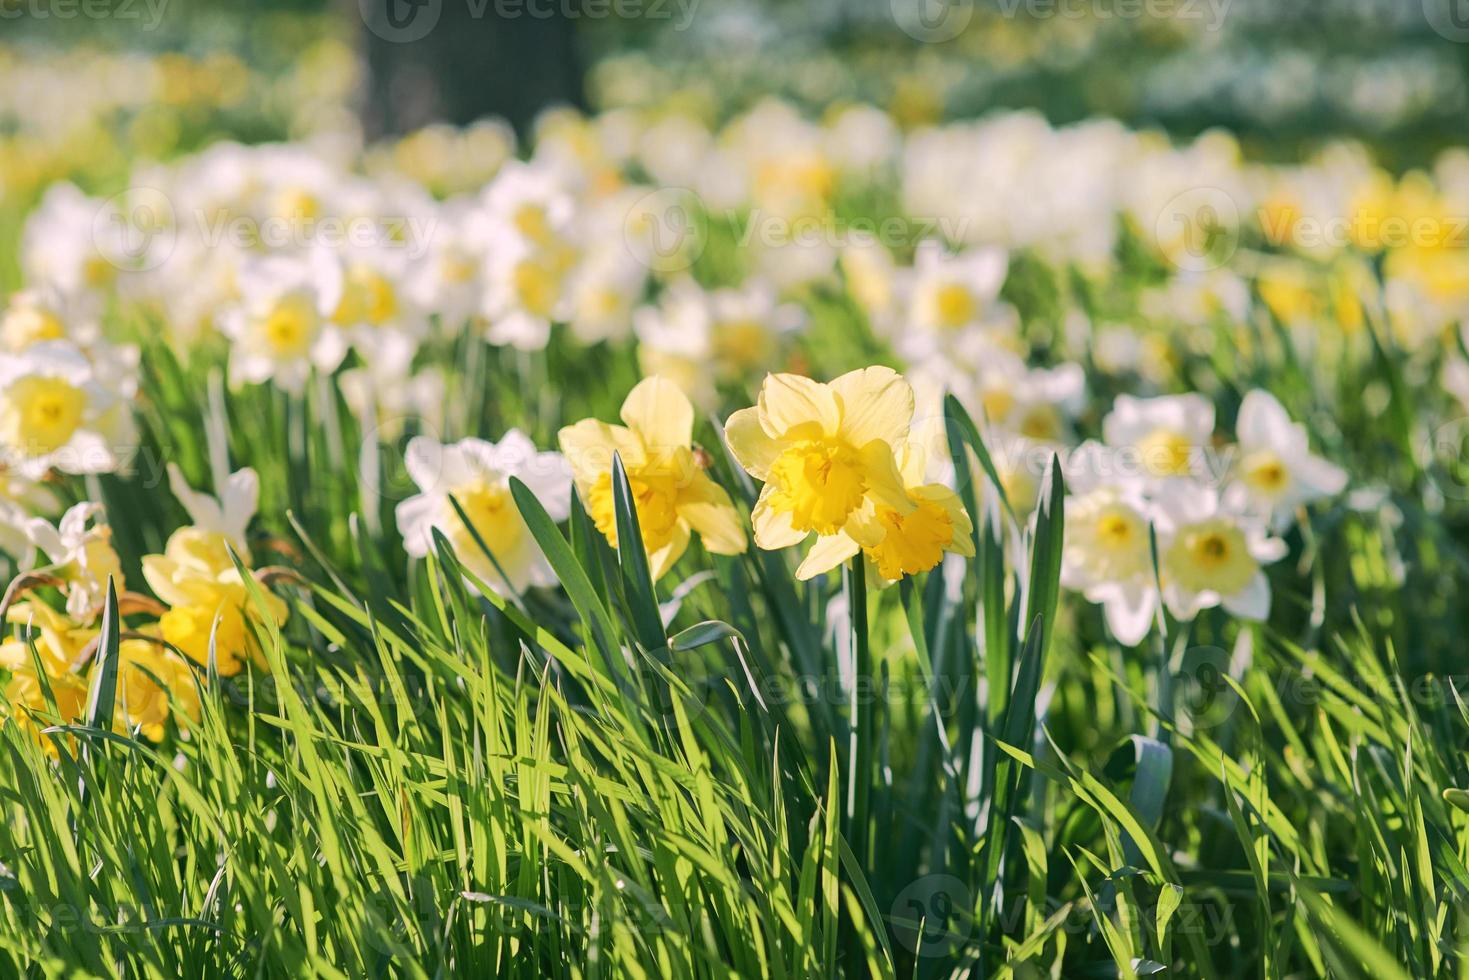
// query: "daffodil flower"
[[905, 544], [201, 585], [1107, 553], [1167, 436], [1275, 471], [827, 455], [81, 552], [672, 494], [56, 412], [1212, 555], [477, 475], [227, 516], [282, 327], [206, 600]]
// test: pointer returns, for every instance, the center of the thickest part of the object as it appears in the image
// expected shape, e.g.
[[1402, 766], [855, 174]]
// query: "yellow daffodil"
[[906, 544], [196, 578], [672, 494], [828, 454], [152, 682]]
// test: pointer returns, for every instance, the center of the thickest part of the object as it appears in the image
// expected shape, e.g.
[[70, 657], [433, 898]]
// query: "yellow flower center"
[[458, 269], [954, 305], [98, 273], [1210, 556], [914, 542], [290, 327], [298, 203], [30, 325], [1166, 453], [740, 345], [41, 414], [368, 298], [492, 513], [536, 285], [531, 221], [655, 498], [1042, 422], [997, 404], [1266, 473], [819, 482], [1110, 541]]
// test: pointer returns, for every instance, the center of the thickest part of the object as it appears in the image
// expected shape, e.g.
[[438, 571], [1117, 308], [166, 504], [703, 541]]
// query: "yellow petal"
[[876, 403], [789, 400], [884, 482], [773, 529], [588, 447], [963, 542], [659, 412], [751, 445], [707, 508], [864, 527], [827, 553], [660, 561]]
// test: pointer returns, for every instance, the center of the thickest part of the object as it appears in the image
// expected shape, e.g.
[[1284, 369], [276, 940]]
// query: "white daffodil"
[[698, 338], [1107, 555], [477, 474], [56, 412], [447, 279], [375, 309], [229, 514], [1210, 554], [526, 201], [43, 313], [81, 552], [949, 292], [1275, 472], [1035, 403], [525, 291], [75, 245], [1164, 437], [604, 288], [282, 326]]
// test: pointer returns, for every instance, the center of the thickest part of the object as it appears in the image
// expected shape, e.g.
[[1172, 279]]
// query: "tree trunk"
[[461, 60]]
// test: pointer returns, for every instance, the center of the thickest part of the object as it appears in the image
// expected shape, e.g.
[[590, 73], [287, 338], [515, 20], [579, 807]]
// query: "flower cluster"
[[207, 617]]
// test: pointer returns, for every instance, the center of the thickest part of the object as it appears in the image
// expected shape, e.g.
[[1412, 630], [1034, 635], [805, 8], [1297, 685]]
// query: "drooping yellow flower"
[[196, 578], [672, 494]]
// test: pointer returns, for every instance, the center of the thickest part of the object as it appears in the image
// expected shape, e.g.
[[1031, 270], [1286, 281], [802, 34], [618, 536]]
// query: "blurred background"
[[89, 82]]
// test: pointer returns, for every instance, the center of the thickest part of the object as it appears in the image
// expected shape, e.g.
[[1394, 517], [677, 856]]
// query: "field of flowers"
[[680, 544]]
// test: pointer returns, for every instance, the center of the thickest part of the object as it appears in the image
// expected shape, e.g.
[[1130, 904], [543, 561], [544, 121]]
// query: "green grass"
[[431, 783]]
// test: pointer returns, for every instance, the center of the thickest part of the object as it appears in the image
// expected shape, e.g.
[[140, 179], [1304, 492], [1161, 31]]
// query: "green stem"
[[860, 709]]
